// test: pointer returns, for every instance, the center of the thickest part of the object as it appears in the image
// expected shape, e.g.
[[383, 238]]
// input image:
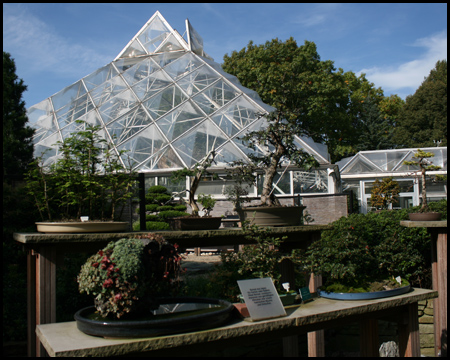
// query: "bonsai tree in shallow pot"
[[88, 180], [421, 159], [273, 147]]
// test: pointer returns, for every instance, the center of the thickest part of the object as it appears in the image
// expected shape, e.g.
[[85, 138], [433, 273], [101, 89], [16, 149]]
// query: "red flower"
[[95, 264], [100, 252], [108, 283]]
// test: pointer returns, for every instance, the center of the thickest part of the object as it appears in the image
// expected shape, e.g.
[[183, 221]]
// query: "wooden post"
[[368, 338], [408, 334], [316, 339]]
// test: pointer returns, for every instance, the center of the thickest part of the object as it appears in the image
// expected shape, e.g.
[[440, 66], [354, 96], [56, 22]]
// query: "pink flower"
[[117, 297]]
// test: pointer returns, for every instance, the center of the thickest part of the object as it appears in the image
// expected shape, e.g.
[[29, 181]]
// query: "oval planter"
[[426, 216], [82, 227], [274, 215], [195, 223], [366, 295], [210, 313]]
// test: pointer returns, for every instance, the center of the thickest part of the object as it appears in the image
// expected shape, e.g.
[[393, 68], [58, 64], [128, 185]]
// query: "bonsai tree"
[[384, 193], [420, 159], [87, 179], [127, 275], [277, 142], [195, 175]]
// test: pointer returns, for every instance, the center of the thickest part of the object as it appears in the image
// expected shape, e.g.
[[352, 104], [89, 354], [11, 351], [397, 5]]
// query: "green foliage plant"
[[384, 193], [364, 248], [207, 202], [258, 260], [420, 159], [129, 274], [159, 208], [87, 179]]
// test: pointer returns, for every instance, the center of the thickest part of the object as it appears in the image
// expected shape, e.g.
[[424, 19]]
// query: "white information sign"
[[261, 298]]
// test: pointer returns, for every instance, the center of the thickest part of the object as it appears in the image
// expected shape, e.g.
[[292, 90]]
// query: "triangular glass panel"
[[74, 110], [152, 84], [108, 90], [226, 154], [163, 159], [163, 59], [196, 144], [183, 65], [360, 165], [134, 49], [128, 125], [68, 94], [194, 39], [170, 44], [140, 71], [126, 63], [48, 146], [318, 150], [215, 96], [143, 145], [100, 76], [117, 106], [236, 115], [38, 112], [403, 167], [197, 80], [164, 101], [180, 120], [154, 34]]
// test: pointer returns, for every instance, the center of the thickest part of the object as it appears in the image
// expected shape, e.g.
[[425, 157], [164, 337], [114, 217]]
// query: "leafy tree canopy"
[[423, 119], [322, 102], [17, 136]]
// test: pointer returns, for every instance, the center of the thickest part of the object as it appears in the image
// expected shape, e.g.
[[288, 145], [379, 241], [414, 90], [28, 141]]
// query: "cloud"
[[318, 15], [410, 75], [42, 48]]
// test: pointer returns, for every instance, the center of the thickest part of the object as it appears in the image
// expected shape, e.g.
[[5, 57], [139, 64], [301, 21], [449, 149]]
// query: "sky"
[[395, 45]]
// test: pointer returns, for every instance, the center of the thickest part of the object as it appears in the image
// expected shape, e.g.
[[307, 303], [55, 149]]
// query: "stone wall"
[[426, 328], [324, 209]]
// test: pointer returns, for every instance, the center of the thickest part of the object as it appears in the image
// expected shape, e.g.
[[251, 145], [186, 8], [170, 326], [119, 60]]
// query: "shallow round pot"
[[195, 223], [426, 216], [156, 327], [274, 215], [366, 295], [82, 227]]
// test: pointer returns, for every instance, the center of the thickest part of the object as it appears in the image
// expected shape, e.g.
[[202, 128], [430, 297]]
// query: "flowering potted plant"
[[420, 159], [134, 283], [87, 180]]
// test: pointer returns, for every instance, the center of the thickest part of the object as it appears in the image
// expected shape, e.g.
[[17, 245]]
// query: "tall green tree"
[[424, 116], [17, 136], [306, 90]]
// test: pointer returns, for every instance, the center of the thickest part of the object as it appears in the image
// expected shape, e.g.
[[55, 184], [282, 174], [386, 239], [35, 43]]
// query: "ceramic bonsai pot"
[[170, 318], [274, 215], [365, 295], [425, 216], [82, 227], [195, 223]]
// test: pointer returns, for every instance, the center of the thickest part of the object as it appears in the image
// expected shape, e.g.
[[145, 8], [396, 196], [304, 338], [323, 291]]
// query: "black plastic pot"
[[211, 313]]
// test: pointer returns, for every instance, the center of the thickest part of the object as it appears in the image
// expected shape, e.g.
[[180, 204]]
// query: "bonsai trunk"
[[194, 185], [424, 191], [267, 196]]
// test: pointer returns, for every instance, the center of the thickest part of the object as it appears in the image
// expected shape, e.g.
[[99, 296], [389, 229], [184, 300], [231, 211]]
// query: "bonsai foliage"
[[195, 175], [87, 179], [420, 159], [127, 275], [384, 193], [370, 247], [260, 260], [159, 208]]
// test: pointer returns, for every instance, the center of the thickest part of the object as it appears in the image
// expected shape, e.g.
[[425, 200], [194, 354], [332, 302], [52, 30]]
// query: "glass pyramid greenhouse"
[[164, 100]]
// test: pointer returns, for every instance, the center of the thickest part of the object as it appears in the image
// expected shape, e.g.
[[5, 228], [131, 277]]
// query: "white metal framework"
[[164, 100]]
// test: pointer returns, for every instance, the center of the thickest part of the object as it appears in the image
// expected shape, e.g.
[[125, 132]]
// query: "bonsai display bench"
[[44, 251], [438, 231], [64, 339]]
